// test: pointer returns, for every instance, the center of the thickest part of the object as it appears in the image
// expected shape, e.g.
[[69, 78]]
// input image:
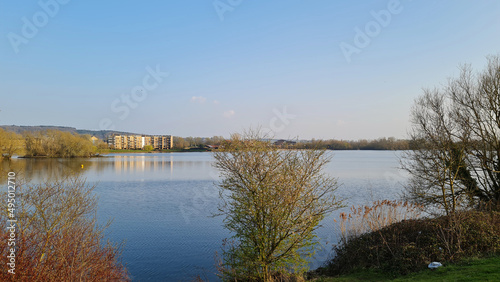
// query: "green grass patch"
[[485, 269]]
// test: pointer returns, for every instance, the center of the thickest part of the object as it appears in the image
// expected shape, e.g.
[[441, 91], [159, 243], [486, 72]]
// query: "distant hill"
[[101, 134]]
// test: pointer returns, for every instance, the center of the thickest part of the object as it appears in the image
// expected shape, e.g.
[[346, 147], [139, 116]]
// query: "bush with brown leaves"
[[57, 237]]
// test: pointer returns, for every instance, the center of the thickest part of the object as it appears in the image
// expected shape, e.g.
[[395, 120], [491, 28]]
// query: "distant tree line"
[[390, 143], [196, 142], [66, 144]]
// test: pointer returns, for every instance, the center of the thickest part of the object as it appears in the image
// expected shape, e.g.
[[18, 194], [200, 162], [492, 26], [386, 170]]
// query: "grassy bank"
[[402, 250], [485, 269]]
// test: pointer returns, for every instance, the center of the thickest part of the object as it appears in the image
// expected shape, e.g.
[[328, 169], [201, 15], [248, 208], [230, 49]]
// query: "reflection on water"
[[125, 164], [39, 169], [117, 167], [161, 203]]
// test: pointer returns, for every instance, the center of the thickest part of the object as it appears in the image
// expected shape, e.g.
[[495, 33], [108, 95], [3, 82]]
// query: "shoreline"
[[195, 150]]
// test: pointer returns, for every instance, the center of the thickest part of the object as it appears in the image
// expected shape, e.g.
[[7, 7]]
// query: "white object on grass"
[[434, 265]]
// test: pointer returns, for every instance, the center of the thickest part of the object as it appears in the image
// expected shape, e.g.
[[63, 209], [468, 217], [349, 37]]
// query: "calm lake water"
[[161, 204]]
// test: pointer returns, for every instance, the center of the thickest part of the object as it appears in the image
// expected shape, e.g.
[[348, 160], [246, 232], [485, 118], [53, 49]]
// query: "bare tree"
[[436, 161], [477, 100], [456, 141], [273, 201]]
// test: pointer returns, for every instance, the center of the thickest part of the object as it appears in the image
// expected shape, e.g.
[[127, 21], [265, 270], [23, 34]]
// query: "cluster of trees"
[[54, 143], [10, 143], [48, 143], [455, 161], [196, 142]]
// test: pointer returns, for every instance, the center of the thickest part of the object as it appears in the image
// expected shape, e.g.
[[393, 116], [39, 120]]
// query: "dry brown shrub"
[[58, 238]]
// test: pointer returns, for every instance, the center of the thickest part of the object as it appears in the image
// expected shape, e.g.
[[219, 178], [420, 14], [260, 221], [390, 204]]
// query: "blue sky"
[[233, 64]]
